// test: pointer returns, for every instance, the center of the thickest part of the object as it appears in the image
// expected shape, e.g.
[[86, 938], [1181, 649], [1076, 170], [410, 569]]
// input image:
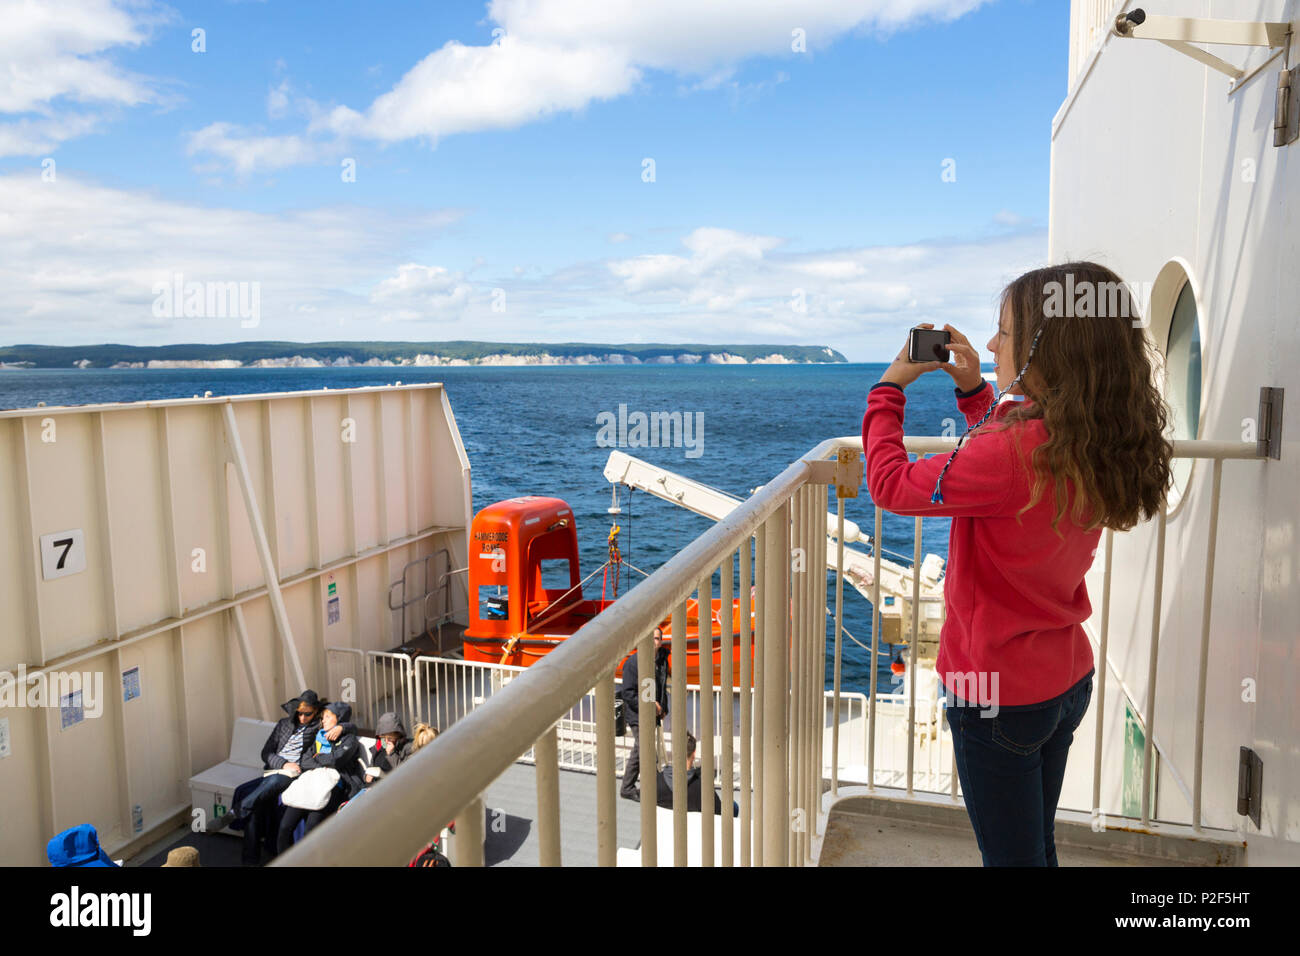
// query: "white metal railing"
[[1216, 451], [374, 683], [441, 691], [780, 740], [780, 735]]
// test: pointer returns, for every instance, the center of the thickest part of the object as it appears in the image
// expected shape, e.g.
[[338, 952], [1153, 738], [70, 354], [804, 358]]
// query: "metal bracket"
[[1268, 440], [848, 477], [844, 472], [1250, 784], [1179, 33]]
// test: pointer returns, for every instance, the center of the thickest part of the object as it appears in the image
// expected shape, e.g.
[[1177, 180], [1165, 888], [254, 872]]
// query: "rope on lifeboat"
[[614, 562]]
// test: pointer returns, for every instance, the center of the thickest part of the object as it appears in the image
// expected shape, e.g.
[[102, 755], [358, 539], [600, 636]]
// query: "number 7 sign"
[[63, 553]]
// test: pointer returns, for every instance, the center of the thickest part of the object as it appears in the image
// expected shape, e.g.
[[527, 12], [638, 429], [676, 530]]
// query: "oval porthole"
[[1175, 331], [1183, 380]]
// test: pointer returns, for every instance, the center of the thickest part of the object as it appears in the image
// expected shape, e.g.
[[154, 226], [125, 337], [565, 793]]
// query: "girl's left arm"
[[979, 483]]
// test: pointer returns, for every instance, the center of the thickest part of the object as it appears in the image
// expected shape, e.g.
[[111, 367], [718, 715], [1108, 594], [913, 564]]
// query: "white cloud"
[[78, 263], [277, 100], [562, 55], [738, 287], [421, 292], [459, 89], [244, 152], [54, 54]]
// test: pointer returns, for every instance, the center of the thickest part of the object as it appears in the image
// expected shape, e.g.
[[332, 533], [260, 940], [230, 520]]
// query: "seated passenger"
[[392, 747], [424, 735], [694, 785], [342, 754], [256, 802]]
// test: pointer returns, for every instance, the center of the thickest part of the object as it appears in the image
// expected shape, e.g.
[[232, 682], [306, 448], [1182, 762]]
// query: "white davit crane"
[[895, 579]]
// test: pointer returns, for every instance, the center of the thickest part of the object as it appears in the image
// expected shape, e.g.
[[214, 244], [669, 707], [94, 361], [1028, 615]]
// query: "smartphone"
[[928, 345]]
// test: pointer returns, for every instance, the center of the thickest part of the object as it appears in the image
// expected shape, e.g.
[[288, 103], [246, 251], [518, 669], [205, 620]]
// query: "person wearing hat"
[[77, 846], [342, 752], [254, 809], [183, 856]]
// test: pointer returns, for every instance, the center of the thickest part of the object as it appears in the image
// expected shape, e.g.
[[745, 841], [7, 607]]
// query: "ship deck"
[[867, 830], [511, 837]]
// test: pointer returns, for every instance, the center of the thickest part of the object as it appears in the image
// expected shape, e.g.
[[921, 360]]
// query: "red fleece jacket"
[[1014, 590]]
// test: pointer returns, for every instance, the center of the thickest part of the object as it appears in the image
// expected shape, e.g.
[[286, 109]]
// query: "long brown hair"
[[1092, 385]]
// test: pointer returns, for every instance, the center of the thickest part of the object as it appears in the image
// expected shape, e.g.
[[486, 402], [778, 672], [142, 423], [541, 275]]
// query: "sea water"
[[547, 431]]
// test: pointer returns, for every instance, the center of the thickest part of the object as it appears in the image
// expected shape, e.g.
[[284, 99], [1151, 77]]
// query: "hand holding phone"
[[928, 345]]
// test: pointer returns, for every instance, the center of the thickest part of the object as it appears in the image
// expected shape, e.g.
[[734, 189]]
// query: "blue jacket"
[[77, 846]]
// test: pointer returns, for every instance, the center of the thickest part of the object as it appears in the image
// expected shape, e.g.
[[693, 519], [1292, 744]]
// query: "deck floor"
[[511, 833], [866, 840]]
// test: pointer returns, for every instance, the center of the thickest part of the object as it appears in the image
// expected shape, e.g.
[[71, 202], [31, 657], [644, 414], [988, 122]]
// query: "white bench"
[[213, 790], [694, 842]]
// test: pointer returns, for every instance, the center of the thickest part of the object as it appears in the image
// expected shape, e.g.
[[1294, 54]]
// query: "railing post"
[[1151, 669], [911, 657], [1100, 709], [747, 601], [606, 798], [727, 682], [799, 605], [647, 720], [875, 651], [467, 845], [806, 650], [839, 628], [706, 716], [1206, 601], [760, 679], [547, 754], [776, 681], [819, 669], [680, 730]]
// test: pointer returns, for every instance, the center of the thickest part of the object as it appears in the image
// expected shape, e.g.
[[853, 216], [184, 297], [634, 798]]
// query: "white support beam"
[[250, 664], [270, 573], [1209, 59], [1179, 33], [1203, 30]]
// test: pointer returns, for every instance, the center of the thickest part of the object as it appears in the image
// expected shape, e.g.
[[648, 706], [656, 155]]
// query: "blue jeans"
[[1011, 768]]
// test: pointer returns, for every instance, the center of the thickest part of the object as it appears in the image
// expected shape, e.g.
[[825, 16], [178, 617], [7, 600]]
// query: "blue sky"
[[499, 194]]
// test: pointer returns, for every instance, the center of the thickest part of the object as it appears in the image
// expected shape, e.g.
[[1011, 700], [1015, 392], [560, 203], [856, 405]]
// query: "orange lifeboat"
[[524, 593], [693, 639]]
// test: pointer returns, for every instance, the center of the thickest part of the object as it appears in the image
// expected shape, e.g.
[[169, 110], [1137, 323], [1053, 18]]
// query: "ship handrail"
[[449, 778]]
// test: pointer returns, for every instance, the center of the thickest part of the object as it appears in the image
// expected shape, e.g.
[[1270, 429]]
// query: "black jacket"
[[631, 675], [344, 756], [283, 730], [694, 790]]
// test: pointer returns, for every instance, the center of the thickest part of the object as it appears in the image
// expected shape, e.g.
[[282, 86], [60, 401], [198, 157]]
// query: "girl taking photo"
[[1029, 489]]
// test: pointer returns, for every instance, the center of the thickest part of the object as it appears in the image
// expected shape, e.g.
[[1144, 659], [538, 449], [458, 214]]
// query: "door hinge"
[[1268, 440], [1250, 784], [1286, 109]]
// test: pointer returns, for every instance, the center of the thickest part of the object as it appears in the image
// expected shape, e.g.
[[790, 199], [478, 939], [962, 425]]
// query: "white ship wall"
[[1152, 162], [149, 483]]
